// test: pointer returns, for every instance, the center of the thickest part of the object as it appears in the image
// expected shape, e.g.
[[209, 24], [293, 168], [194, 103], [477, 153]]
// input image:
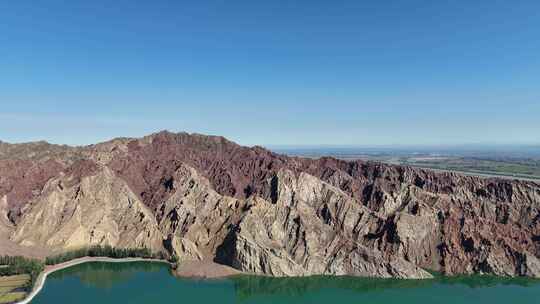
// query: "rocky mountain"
[[206, 198]]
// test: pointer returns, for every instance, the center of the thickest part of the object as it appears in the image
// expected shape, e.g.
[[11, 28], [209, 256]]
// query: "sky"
[[272, 72]]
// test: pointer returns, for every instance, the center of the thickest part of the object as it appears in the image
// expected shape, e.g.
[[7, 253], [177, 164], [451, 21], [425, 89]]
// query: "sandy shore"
[[40, 282], [204, 270]]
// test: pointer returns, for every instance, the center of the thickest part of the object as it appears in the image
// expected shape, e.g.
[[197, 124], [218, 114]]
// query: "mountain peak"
[[367, 208]]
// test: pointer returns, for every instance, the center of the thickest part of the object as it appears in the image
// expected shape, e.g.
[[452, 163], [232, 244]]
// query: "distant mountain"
[[205, 197]]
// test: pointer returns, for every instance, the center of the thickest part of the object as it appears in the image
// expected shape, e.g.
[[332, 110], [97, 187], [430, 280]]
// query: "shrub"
[[100, 251]]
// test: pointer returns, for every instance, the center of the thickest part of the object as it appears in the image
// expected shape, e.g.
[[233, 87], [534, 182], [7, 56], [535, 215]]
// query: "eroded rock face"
[[196, 219], [313, 228], [23, 180], [204, 197], [99, 210]]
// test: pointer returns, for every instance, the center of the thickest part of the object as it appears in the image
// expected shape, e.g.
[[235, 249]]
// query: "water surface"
[[152, 283]]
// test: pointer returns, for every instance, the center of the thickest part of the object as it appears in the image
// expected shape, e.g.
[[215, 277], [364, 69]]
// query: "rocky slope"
[[96, 210], [206, 198]]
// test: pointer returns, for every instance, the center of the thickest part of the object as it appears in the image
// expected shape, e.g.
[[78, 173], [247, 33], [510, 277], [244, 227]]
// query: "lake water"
[[152, 283]]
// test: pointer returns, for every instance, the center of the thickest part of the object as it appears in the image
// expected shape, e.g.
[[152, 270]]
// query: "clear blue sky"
[[272, 72]]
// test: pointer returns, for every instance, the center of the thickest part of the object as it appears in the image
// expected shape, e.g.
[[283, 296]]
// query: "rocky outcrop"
[[99, 210], [312, 228], [206, 198], [23, 180], [195, 218]]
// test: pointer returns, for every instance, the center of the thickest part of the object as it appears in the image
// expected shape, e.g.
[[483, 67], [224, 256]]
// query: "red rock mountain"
[[204, 197]]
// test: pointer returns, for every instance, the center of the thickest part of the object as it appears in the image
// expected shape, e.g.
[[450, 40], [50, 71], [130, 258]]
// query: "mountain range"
[[206, 198]]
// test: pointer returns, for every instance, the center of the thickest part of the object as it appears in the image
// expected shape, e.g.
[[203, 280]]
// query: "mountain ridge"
[[393, 220]]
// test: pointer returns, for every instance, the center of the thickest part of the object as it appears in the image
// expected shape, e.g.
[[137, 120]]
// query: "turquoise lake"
[[152, 283]]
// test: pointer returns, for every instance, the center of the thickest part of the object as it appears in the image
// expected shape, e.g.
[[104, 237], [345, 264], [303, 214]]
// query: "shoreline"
[[40, 281], [204, 269]]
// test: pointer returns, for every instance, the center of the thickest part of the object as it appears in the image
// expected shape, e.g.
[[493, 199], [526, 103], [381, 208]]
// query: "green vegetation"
[[102, 251], [173, 259], [17, 277], [12, 297], [520, 164], [14, 265], [523, 168]]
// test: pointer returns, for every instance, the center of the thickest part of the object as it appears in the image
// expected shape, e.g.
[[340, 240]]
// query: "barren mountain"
[[204, 197]]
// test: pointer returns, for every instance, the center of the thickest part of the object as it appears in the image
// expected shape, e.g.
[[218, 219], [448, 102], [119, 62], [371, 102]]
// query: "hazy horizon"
[[471, 145]]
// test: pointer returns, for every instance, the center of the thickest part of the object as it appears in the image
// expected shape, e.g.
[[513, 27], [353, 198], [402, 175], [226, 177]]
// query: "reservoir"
[[153, 283]]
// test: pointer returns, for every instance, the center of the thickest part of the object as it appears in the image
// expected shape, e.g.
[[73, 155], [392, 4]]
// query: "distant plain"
[[509, 161]]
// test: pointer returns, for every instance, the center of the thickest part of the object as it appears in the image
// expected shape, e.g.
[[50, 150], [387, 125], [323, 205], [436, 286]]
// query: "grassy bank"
[[16, 265], [17, 277], [13, 288]]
